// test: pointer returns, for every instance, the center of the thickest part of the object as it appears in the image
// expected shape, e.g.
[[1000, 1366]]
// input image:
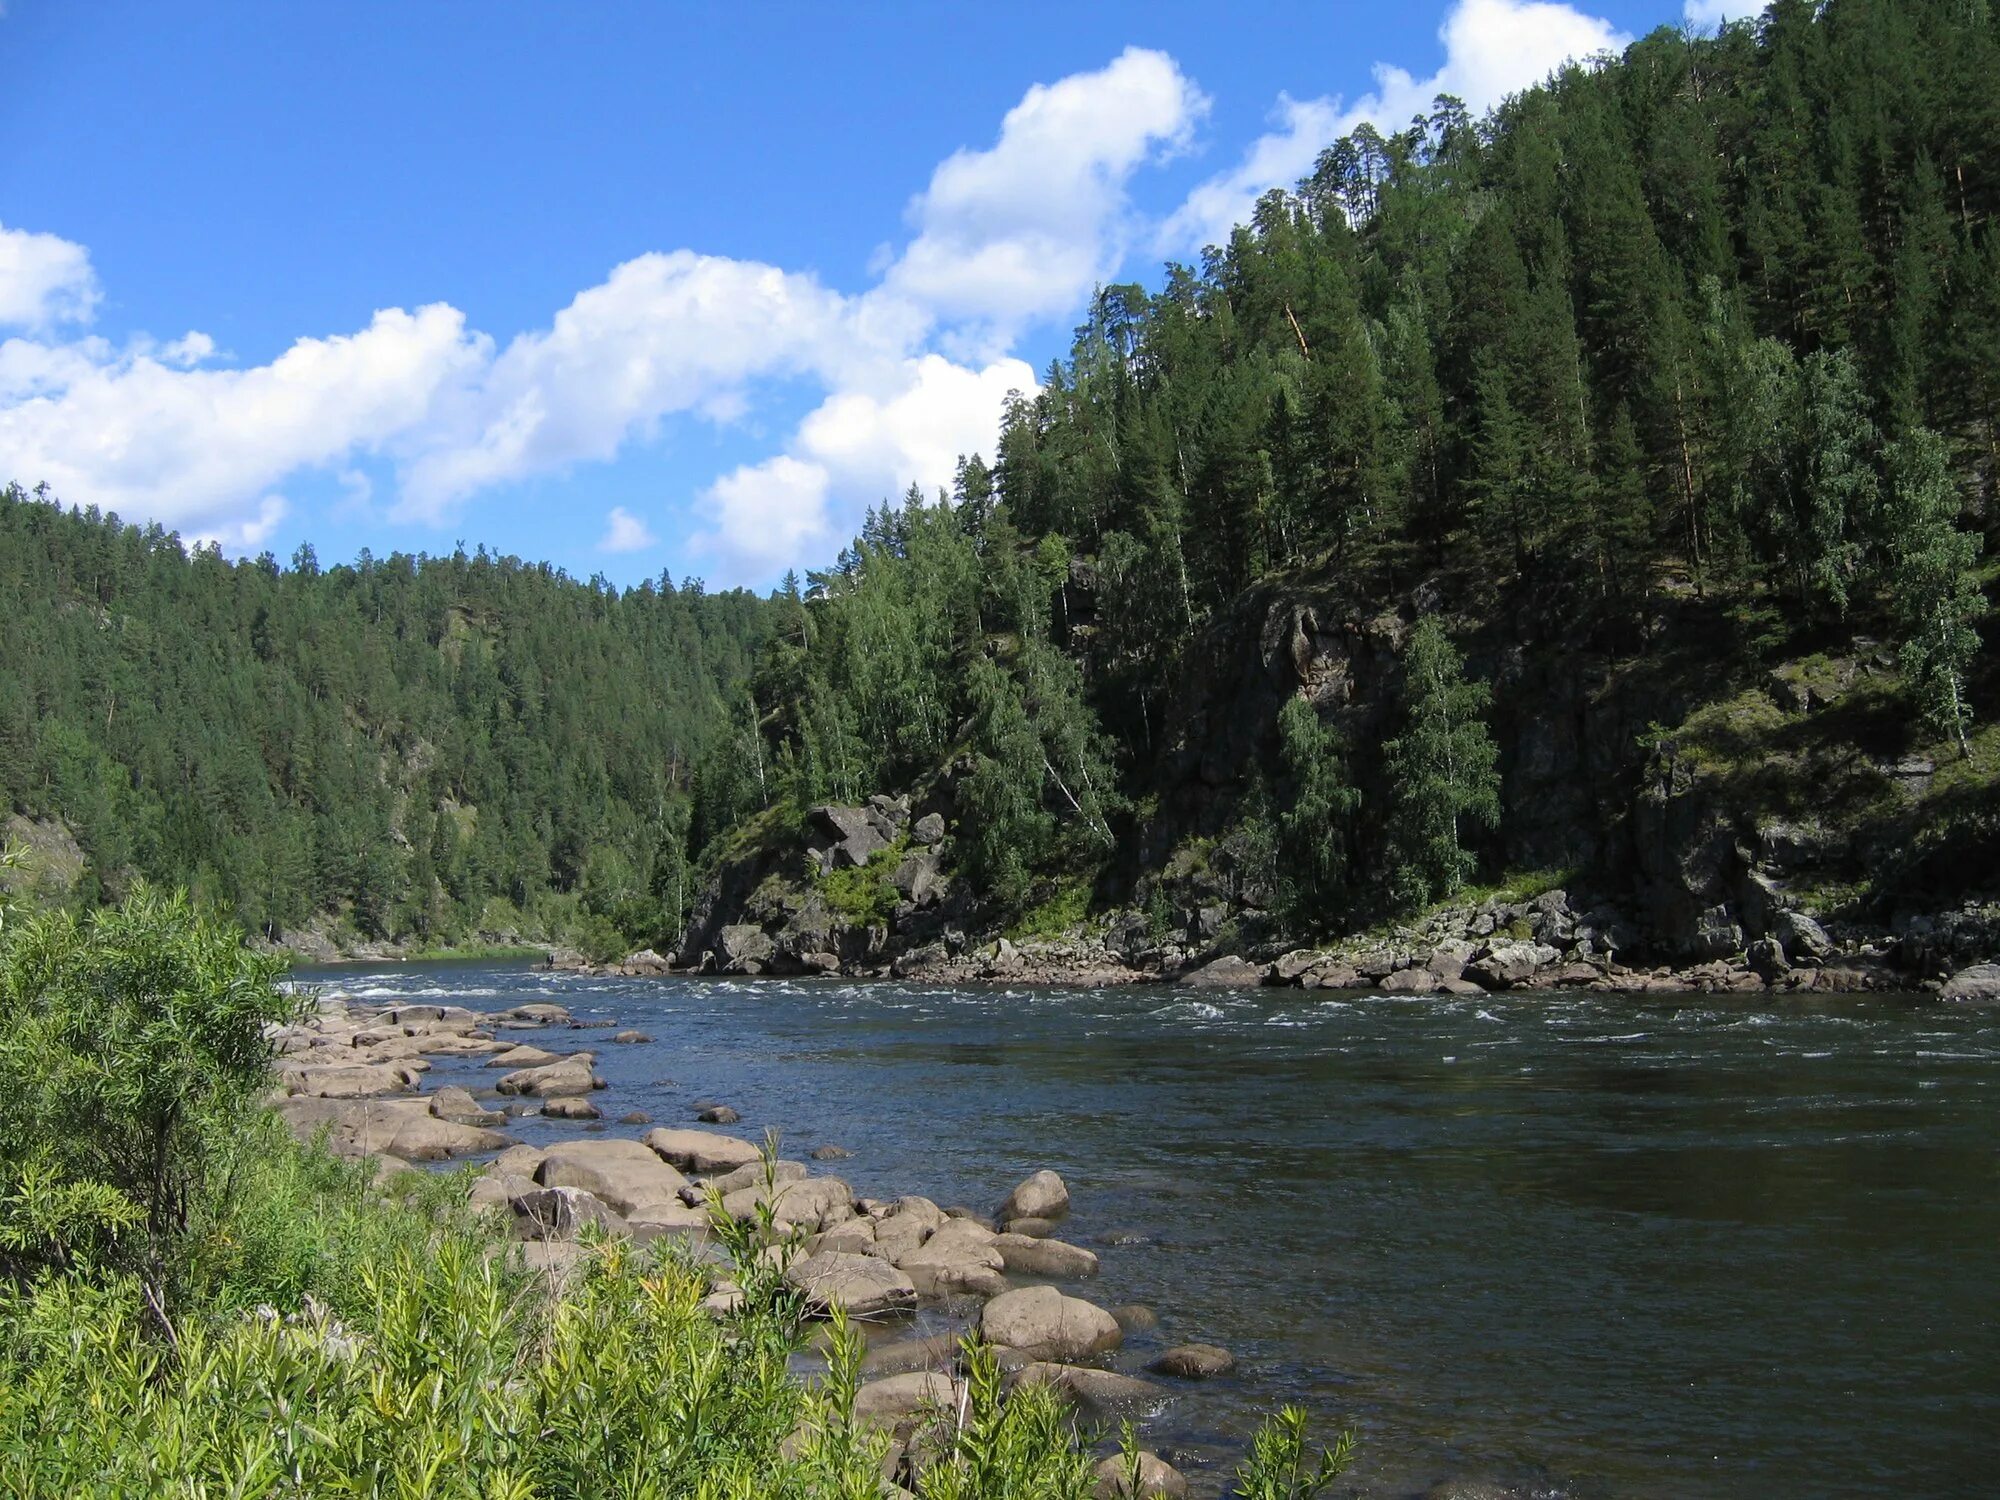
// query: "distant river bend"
[[1570, 1242]]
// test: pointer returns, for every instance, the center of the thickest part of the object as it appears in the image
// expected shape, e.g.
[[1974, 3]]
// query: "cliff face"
[[1732, 789]]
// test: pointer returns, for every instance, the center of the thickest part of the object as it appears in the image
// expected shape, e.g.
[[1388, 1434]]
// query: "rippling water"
[[1743, 1248]]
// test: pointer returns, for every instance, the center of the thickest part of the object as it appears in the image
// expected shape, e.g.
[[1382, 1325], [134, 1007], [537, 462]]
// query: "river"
[[1580, 1244]]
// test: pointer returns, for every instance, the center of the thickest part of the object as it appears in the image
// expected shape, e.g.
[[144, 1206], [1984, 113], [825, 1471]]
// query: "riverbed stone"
[[1135, 1317], [1103, 1392], [1042, 1195], [1034, 1229], [704, 1152], [1978, 985], [1156, 1480], [557, 1080], [625, 1174], [573, 1107], [546, 1213], [862, 1285], [939, 1351], [1194, 1362], [523, 1057], [1045, 1323], [426, 1138], [1230, 972], [886, 1402], [1030, 1256], [1410, 982], [718, 1114]]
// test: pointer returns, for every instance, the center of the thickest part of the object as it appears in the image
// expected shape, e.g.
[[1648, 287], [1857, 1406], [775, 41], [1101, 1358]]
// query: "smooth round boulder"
[[458, 1106], [1040, 1196], [574, 1107], [720, 1114], [1135, 1317], [701, 1151], [545, 1213], [625, 1174], [1104, 1392], [886, 1402], [1156, 1479], [862, 1285], [424, 1138], [1043, 1322], [1027, 1256], [1194, 1362], [1034, 1229]]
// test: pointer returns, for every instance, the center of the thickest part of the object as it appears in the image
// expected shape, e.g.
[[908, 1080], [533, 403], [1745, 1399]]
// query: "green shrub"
[[863, 893], [134, 1042]]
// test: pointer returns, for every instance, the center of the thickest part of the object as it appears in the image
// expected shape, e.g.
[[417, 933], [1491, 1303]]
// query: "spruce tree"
[[1441, 771], [1314, 827]]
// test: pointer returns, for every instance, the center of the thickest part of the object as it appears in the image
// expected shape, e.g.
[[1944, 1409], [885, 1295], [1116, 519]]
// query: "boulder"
[[651, 1220], [1042, 1322], [928, 830], [893, 1399], [1043, 1195], [517, 1161], [1135, 1317], [1194, 1362], [938, 1352], [571, 1108], [1337, 976], [1026, 1255], [743, 948], [1766, 959], [546, 1213], [459, 1107], [830, 1153], [635, 1117], [348, 1081], [523, 1057], [499, 1190], [1802, 936], [1410, 982], [862, 1285], [1034, 1229], [847, 834], [426, 1138], [625, 1174], [1156, 1479], [627, 1038], [1226, 973], [850, 1237], [701, 1151], [814, 1203], [718, 1114], [1104, 1392], [556, 1080], [752, 1174], [1506, 965], [541, 1012], [1978, 985]]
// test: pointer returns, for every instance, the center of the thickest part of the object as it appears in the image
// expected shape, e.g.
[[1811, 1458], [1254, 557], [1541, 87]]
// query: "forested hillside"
[[397, 744], [1585, 487]]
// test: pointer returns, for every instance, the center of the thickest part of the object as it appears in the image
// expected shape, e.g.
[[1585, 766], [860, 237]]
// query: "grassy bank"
[[192, 1303]]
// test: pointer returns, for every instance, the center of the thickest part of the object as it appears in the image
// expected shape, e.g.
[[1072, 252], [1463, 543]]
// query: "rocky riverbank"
[[352, 1075], [1549, 941]]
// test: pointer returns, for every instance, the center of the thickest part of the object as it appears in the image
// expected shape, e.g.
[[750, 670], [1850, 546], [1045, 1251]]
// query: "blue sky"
[[627, 287]]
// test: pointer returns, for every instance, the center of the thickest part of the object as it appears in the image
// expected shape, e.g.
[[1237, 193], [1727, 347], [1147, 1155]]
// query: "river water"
[[1580, 1244]]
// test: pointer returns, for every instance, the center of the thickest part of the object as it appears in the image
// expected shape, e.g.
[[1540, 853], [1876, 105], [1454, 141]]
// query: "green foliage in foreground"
[[224, 1312]]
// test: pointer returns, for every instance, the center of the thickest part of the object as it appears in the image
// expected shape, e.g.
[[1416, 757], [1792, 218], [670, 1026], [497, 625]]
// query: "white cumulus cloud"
[[44, 279], [625, 532], [1493, 48], [1025, 228]]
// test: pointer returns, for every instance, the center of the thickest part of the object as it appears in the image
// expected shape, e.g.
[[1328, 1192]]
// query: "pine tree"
[[1441, 771]]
